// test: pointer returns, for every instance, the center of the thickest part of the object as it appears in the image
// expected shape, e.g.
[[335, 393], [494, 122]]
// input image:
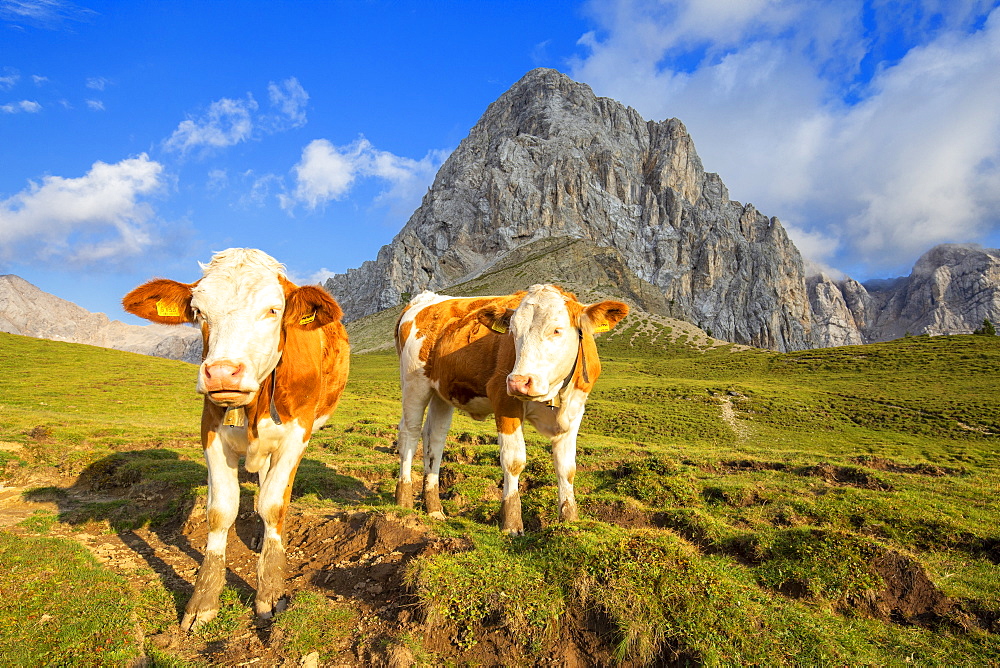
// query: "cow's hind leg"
[[439, 414], [416, 394], [272, 505], [564, 461], [223, 505]]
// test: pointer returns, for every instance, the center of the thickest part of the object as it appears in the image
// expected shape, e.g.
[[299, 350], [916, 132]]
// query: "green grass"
[[733, 501], [59, 607]]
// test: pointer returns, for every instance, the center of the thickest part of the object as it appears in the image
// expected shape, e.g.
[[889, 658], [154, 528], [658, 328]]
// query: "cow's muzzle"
[[526, 387], [226, 383]]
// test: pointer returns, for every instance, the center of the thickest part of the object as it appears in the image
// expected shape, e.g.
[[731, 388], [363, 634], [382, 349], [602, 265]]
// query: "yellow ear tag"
[[168, 309], [603, 327], [306, 320], [498, 327]]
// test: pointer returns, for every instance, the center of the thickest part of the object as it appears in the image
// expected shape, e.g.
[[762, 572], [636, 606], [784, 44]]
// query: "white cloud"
[[316, 278], [777, 97], [27, 106], [38, 79], [97, 83], [95, 105], [99, 218], [227, 122], [327, 172]]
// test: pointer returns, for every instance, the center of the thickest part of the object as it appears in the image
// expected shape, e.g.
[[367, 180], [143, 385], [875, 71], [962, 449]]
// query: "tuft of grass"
[[235, 614], [313, 623], [466, 588], [825, 565], [39, 522]]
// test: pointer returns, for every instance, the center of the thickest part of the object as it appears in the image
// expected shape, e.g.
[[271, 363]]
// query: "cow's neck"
[[581, 361]]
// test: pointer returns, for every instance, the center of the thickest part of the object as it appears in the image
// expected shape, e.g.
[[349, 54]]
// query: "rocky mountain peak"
[[549, 159]]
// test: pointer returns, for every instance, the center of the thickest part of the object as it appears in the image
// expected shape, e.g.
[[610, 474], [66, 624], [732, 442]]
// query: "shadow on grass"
[[147, 493]]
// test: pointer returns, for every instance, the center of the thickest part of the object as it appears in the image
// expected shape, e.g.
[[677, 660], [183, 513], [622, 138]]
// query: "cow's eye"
[[557, 331], [273, 312]]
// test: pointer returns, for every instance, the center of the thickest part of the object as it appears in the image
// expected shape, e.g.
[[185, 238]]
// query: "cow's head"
[[550, 328], [244, 306]]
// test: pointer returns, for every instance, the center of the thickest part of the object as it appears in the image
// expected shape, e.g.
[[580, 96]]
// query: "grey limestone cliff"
[[951, 290], [551, 159]]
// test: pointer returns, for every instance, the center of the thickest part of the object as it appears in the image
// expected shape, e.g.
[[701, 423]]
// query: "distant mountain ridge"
[[550, 160], [29, 311], [951, 290]]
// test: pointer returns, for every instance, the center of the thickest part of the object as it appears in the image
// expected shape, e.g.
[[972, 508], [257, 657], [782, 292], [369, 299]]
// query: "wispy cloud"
[[228, 122], [95, 105], [870, 128], [48, 14], [9, 78], [288, 104], [26, 106], [101, 218], [327, 172], [97, 83]]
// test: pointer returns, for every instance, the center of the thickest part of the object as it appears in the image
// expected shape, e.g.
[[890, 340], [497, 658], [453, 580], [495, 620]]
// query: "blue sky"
[[136, 138]]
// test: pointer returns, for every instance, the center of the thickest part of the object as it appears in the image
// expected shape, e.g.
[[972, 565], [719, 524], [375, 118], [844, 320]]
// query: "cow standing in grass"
[[275, 363], [527, 356]]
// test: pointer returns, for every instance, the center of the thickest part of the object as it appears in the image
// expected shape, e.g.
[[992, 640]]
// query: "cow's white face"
[[239, 303], [546, 344]]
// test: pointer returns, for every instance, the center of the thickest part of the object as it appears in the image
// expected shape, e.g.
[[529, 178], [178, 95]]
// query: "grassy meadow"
[[824, 507]]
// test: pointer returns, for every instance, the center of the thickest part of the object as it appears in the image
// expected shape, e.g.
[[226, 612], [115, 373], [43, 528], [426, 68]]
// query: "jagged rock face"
[[951, 290], [550, 159], [835, 322], [28, 311]]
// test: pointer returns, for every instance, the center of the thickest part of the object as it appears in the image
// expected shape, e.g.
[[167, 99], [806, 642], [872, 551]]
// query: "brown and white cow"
[[527, 356], [275, 362]]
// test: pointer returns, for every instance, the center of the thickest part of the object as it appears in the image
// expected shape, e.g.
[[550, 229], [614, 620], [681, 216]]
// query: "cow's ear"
[[605, 315], [310, 307], [495, 317], [162, 301]]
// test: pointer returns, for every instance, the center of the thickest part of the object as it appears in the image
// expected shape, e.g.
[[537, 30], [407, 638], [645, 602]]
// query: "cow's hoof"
[[436, 515], [267, 610], [518, 531], [192, 621]]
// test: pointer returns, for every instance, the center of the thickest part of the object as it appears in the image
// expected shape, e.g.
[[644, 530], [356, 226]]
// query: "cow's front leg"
[[436, 425], [272, 505], [223, 505], [512, 459]]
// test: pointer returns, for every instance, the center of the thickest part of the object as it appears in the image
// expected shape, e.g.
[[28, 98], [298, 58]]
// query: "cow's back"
[[441, 339]]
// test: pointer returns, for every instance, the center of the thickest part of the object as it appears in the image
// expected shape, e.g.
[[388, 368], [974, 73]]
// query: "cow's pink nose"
[[520, 385], [224, 373]]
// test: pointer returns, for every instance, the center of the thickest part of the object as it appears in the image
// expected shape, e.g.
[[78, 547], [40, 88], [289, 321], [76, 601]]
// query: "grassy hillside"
[[832, 506]]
